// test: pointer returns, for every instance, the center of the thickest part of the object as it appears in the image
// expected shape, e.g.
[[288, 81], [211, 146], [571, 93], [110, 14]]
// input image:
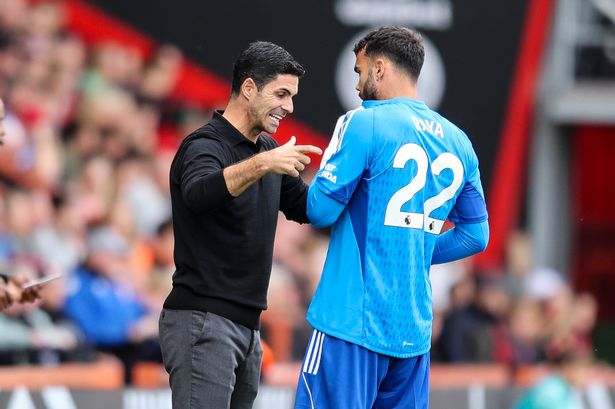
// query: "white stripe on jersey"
[[338, 136]]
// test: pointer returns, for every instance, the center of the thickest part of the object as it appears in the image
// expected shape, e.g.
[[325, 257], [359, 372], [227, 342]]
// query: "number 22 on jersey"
[[395, 216]]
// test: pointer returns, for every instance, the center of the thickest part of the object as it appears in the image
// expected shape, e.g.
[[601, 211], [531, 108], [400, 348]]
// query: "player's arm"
[[463, 240], [322, 209], [341, 169], [471, 232]]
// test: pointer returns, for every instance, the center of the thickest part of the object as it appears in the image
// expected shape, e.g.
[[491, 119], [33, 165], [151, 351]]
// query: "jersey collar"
[[408, 101]]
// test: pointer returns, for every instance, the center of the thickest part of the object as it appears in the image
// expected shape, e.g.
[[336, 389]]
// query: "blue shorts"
[[340, 375]]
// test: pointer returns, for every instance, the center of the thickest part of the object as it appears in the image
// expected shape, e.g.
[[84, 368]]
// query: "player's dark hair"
[[263, 62], [401, 45]]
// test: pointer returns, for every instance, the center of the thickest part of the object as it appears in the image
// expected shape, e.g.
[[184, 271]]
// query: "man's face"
[[272, 102], [2, 114], [366, 85]]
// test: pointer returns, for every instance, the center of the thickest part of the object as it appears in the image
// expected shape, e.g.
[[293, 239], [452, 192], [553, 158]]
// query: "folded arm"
[[463, 240]]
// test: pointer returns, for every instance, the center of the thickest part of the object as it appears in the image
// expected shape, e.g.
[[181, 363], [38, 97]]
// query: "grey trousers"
[[212, 361]]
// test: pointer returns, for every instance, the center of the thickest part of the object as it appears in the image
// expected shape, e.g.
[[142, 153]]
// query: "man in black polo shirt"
[[228, 182]]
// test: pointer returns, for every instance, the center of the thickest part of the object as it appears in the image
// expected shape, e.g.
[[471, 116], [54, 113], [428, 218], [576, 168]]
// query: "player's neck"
[[399, 91]]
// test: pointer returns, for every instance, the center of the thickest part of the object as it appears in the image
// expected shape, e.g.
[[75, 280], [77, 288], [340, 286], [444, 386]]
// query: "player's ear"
[[379, 67], [248, 88]]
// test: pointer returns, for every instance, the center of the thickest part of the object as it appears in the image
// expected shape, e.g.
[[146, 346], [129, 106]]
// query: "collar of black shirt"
[[232, 134]]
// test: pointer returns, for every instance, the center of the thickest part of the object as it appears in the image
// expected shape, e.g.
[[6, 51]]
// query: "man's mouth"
[[276, 118]]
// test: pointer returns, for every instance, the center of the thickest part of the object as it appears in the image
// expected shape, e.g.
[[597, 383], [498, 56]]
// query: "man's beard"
[[257, 120], [369, 92]]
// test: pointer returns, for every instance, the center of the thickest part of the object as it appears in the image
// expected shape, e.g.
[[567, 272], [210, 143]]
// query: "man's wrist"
[[261, 163]]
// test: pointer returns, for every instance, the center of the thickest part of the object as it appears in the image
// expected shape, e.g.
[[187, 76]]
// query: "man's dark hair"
[[263, 62], [401, 45]]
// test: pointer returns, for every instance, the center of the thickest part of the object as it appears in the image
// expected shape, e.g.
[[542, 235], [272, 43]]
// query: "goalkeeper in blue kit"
[[393, 173]]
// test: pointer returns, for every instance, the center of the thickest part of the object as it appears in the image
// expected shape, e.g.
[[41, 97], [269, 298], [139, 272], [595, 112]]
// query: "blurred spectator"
[[584, 317], [291, 285], [524, 342], [452, 289], [137, 186], [560, 389], [20, 222], [160, 75], [31, 157], [282, 319], [60, 244], [574, 326], [39, 333], [104, 305], [95, 188], [443, 278], [29, 336], [543, 284], [470, 332], [114, 67], [162, 265], [519, 262]]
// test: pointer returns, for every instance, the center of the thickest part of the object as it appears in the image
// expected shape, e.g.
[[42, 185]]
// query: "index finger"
[[309, 149]]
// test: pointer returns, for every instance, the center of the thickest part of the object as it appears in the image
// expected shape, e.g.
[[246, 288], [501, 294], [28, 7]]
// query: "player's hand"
[[290, 158]]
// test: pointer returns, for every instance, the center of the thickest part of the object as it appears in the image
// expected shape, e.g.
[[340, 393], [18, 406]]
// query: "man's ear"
[[379, 68], [248, 88]]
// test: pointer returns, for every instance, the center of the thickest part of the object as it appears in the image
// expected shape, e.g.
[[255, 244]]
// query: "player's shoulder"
[[358, 121], [358, 114]]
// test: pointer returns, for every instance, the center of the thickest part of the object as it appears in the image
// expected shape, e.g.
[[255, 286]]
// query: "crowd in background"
[[90, 133], [523, 315]]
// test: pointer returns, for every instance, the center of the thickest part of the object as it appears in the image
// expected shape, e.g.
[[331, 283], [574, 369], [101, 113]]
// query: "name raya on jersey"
[[399, 168]]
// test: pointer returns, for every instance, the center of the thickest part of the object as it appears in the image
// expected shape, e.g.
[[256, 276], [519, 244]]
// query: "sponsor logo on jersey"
[[327, 173]]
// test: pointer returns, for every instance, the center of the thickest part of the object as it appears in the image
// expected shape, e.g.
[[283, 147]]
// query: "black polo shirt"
[[224, 245]]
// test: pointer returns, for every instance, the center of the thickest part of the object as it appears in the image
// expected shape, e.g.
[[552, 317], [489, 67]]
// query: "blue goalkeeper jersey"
[[398, 169]]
